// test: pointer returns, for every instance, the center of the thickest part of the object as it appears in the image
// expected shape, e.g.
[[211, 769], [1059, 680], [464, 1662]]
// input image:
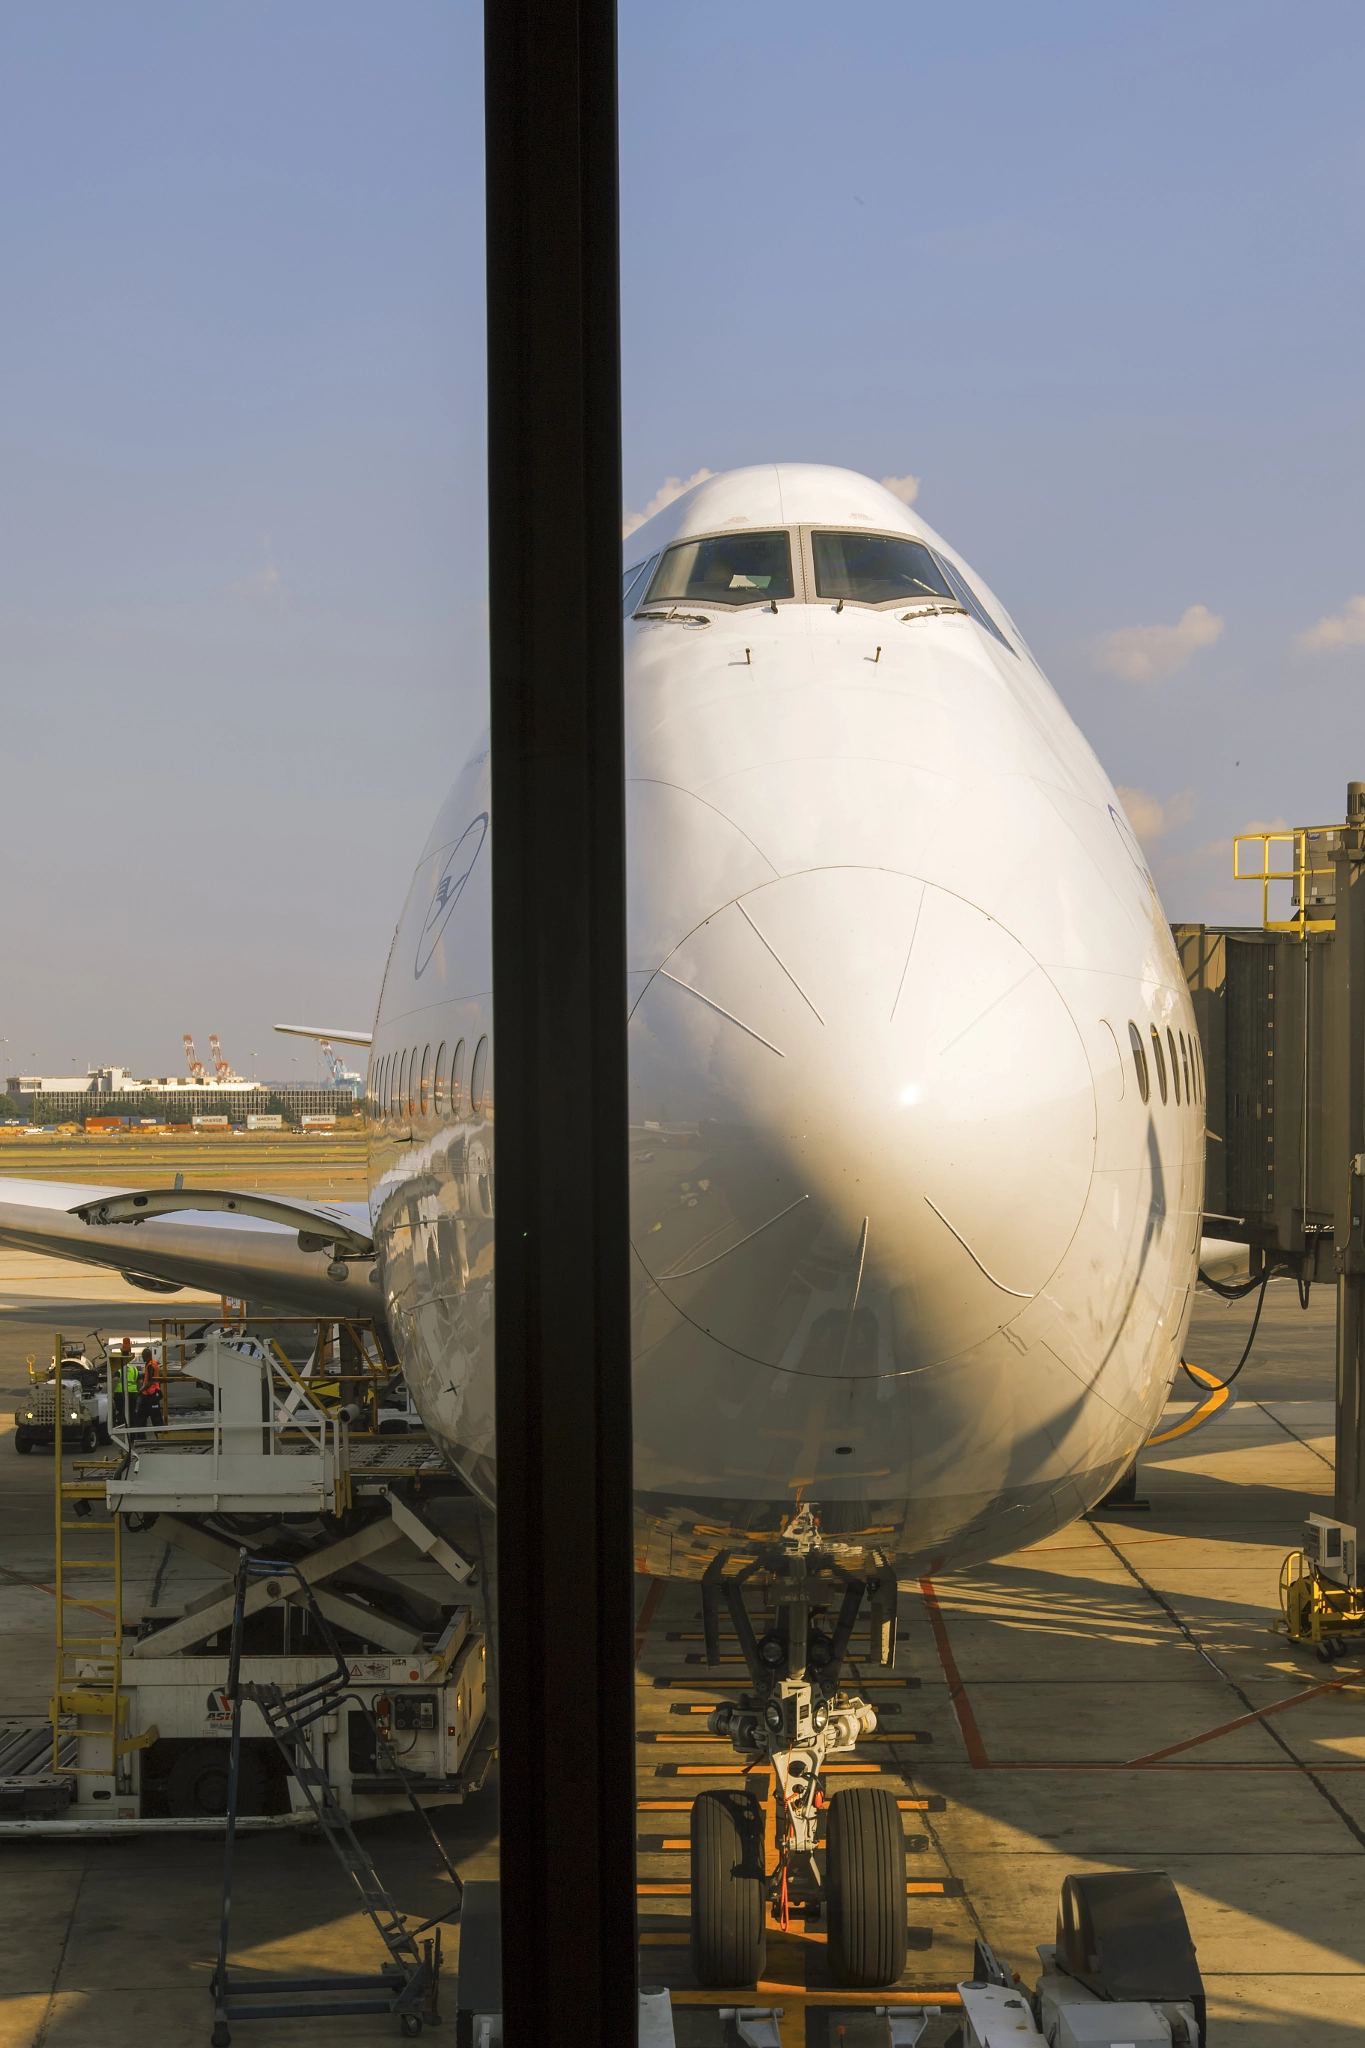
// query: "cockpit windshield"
[[729, 568], [875, 568]]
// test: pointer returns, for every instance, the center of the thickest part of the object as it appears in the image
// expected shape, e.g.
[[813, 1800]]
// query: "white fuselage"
[[914, 1231]]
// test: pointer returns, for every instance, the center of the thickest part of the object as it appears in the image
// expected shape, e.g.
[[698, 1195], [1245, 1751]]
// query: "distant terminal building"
[[169, 1098]]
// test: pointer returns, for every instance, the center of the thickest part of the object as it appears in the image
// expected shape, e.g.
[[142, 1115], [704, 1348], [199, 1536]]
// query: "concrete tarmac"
[[1096, 1702]]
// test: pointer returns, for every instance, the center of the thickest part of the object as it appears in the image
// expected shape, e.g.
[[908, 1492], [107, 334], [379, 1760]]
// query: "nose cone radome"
[[862, 1126]]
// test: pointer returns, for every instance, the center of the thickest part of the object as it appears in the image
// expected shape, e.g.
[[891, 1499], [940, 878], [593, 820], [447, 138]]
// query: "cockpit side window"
[[963, 592], [633, 583], [728, 569], [877, 568]]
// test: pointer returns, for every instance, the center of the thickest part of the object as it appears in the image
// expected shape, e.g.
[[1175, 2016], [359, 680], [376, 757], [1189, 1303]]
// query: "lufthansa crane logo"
[[450, 885]]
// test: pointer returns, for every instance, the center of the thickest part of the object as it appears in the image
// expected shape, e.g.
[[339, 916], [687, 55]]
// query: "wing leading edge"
[[257, 1258]]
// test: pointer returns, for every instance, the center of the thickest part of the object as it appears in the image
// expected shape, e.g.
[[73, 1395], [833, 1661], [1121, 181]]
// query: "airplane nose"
[[862, 1125]]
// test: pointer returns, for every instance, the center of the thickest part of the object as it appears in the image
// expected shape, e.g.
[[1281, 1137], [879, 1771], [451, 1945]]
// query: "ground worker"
[[132, 1384], [150, 1411], [121, 1365]]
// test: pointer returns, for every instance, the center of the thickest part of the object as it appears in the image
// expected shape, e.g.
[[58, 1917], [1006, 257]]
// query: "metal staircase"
[[408, 1984]]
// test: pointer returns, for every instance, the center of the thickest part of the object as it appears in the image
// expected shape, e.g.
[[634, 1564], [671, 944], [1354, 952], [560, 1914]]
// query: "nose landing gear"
[[795, 1716]]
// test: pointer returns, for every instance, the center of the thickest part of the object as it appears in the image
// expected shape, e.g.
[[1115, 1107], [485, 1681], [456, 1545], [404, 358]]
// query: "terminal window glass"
[[1160, 1062], [456, 1077], [876, 568], [1144, 1079], [730, 568], [1175, 1062], [438, 1083], [476, 1077], [426, 1076]]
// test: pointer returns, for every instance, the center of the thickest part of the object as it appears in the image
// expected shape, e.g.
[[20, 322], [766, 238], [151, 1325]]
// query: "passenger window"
[[1160, 1062], [412, 1083], [426, 1071], [1185, 1066], [456, 1077], [476, 1077], [1203, 1074], [438, 1084], [964, 593], [873, 568], [1175, 1062], [1144, 1080], [402, 1085], [729, 569], [634, 582]]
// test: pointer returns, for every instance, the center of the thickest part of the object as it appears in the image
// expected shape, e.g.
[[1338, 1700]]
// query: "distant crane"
[[196, 1065], [338, 1073], [222, 1067]]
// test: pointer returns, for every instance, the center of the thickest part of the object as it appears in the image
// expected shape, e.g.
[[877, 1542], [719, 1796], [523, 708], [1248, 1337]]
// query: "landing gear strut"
[[796, 1715]]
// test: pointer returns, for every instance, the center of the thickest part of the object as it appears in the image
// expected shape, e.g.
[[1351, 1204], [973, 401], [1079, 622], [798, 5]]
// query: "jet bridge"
[[1280, 1008]]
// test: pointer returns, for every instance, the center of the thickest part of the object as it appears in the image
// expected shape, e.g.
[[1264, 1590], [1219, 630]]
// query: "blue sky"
[[1092, 275]]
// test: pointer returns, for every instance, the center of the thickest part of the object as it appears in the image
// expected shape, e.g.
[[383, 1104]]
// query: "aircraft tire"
[[865, 1888], [729, 1939]]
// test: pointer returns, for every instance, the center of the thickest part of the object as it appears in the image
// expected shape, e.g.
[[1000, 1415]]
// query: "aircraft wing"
[[334, 1037], [280, 1258]]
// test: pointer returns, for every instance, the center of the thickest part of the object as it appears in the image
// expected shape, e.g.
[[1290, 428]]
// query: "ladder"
[[411, 1977], [89, 1588]]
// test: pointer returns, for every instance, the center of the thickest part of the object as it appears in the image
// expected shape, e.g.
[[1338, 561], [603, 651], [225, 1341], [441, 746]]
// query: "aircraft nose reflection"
[[863, 1127]]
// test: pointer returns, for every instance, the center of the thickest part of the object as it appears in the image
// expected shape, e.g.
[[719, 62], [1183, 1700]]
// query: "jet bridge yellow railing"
[[1291, 854]]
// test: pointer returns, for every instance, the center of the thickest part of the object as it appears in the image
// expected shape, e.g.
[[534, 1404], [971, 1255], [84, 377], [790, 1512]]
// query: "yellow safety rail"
[[1298, 864], [89, 1604]]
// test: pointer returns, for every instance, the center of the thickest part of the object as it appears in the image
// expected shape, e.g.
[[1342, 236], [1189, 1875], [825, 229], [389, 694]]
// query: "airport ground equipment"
[[84, 1403], [139, 1730], [408, 1985], [1321, 1600], [796, 1715], [1122, 1973], [1281, 1015]]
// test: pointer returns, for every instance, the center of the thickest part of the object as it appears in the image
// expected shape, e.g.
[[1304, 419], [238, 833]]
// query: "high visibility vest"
[[151, 1377], [130, 1376]]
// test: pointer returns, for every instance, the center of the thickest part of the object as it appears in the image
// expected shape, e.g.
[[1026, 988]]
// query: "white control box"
[[1331, 1546]]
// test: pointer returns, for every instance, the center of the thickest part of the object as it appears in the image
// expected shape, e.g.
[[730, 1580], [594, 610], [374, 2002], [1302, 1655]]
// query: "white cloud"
[[906, 488], [1144, 654], [1347, 629], [672, 488], [1150, 817]]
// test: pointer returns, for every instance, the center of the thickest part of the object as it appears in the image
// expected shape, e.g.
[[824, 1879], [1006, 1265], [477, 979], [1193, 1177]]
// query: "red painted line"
[[1244, 1720], [647, 1614], [957, 1691]]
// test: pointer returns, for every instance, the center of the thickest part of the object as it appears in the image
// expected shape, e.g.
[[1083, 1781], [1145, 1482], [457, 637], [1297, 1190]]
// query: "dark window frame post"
[[564, 1441]]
